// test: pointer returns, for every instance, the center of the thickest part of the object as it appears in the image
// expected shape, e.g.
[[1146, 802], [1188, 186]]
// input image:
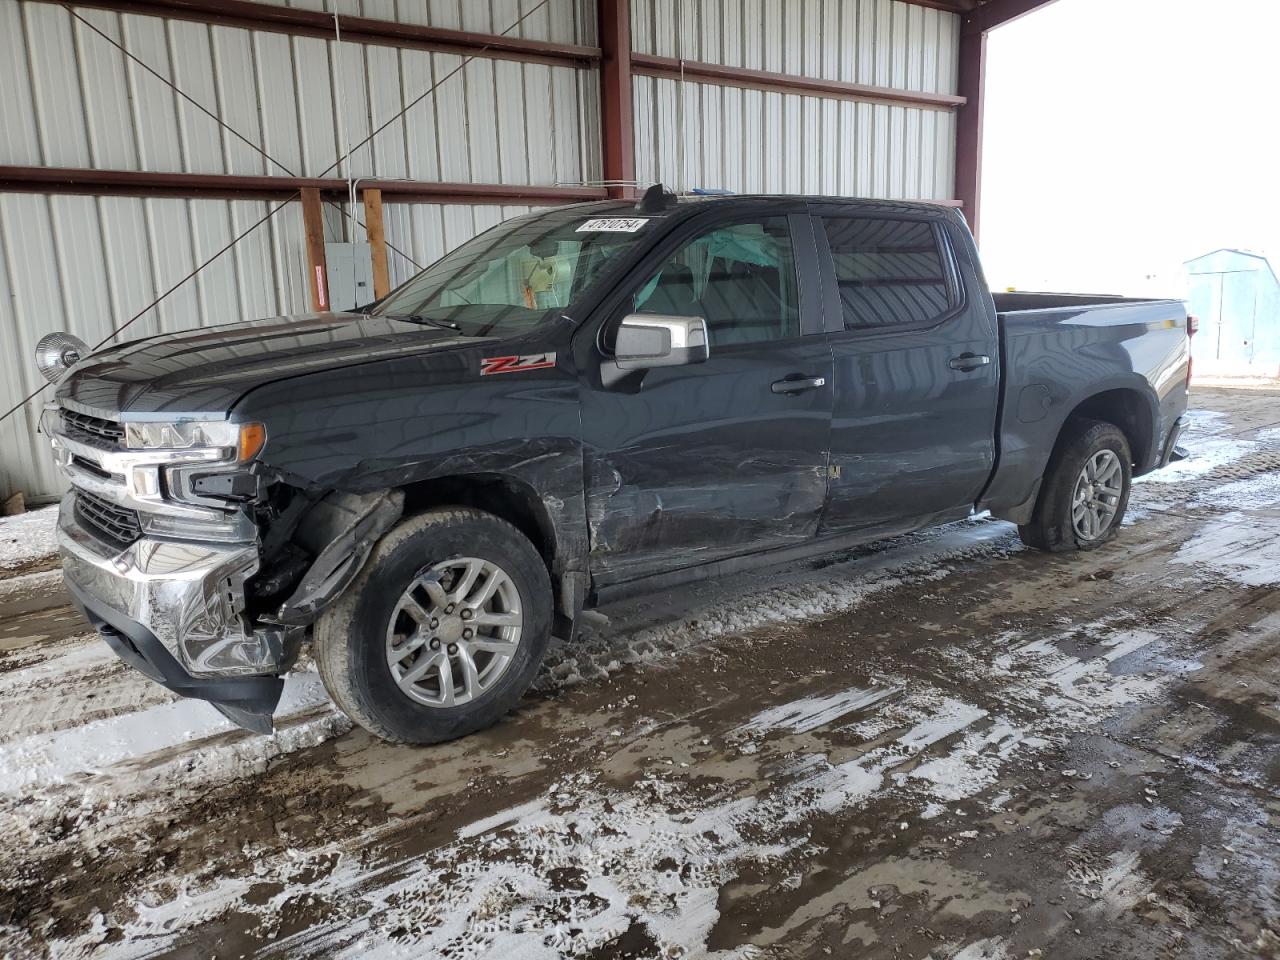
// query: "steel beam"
[[741, 77], [313, 23], [149, 184], [974, 28], [617, 123]]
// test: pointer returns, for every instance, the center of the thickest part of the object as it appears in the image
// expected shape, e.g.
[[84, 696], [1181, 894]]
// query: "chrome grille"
[[97, 431], [117, 525]]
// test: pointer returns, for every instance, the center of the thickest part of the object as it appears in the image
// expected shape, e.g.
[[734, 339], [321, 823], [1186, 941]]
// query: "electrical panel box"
[[350, 269]]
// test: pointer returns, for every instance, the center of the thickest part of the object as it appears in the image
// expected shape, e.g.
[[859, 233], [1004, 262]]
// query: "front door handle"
[[968, 362], [798, 384]]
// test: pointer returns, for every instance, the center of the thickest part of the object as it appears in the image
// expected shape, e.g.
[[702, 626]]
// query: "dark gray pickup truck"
[[580, 403]]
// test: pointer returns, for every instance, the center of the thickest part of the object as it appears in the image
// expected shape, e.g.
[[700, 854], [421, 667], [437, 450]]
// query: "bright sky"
[[1124, 137]]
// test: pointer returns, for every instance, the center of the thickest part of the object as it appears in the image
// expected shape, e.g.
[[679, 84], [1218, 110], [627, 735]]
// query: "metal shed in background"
[[1236, 295], [201, 153]]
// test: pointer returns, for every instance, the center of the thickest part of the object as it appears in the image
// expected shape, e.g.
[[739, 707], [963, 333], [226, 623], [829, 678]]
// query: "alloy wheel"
[[454, 632], [1097, 494]]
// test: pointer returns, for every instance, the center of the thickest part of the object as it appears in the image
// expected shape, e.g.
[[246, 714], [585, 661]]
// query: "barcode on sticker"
[[613, 225]]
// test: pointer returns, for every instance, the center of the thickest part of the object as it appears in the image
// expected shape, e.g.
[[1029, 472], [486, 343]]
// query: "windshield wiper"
[[424, 320]]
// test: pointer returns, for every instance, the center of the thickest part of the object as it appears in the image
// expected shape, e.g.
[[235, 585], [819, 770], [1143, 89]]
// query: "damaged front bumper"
[[174, 611]]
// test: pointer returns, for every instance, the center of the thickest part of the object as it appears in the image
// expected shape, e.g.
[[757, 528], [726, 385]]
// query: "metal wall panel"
[[884, 43], [74, 100], [691, 134], [694, 135]]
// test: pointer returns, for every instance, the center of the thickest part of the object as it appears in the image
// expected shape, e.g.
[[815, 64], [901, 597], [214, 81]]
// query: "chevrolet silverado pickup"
[[583, 402]]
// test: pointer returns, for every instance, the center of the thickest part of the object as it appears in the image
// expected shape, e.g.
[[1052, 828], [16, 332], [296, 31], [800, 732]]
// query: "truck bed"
[[1016, 301], [1059, 349]]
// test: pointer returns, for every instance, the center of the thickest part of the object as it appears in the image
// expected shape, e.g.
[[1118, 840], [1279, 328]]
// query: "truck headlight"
[[242, 441]]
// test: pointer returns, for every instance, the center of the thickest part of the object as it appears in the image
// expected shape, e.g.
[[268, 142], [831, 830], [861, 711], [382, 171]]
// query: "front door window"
[[740, 278]]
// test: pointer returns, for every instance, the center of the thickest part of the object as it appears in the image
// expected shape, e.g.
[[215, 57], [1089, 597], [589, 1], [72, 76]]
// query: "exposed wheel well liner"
[[1130, 411], [503, 496]]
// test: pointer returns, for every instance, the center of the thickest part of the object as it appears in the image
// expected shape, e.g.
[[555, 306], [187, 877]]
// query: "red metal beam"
[[146, 184], [311, 23], [974, 28], [969, 118], [786, 82], [950, 6], [994, 13], [617, 123]]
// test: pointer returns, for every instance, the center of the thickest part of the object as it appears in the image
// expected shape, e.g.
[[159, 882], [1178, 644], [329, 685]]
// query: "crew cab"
[[580, 403]]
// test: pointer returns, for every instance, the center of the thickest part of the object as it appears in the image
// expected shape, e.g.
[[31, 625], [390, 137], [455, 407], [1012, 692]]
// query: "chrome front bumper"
[[188, 596]]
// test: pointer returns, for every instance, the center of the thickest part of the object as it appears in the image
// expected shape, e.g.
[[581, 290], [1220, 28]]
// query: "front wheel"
[[443, 630], [1085, 491]]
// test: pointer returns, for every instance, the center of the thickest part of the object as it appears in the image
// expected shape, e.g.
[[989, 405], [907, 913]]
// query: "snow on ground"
[[1241, 547], [1249, 494], [28, 537], [92, 748], [1208, 447], [659, 852]]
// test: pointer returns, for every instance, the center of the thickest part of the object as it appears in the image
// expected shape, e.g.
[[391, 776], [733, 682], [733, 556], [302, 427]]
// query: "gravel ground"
[[942, 746]]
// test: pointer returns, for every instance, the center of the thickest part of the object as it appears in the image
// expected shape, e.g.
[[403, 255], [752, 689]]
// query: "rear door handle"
[[798, 384], [968, 362]]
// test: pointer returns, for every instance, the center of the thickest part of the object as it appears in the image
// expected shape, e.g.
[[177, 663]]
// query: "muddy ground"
[[944, 746]]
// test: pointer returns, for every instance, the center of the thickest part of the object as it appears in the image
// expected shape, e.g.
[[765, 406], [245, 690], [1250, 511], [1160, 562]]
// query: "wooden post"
[[377, 241], [317, 269]]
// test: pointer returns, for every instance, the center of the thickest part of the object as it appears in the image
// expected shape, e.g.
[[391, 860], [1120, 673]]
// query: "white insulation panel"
[[691, 135], [882, 43]]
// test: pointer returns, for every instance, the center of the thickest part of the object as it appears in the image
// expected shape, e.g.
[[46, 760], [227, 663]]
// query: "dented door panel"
[[706, 461]]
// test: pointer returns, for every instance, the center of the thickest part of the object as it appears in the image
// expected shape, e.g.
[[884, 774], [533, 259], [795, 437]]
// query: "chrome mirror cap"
[[648, 340]]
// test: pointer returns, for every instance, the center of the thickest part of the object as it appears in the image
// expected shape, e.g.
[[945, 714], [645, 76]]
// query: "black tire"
[[1052, 528], [351, 636]]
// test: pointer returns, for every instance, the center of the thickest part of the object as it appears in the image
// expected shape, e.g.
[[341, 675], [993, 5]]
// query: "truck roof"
[[689, 203]]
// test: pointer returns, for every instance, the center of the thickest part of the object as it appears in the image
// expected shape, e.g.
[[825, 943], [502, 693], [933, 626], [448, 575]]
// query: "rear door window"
[[890, 273]]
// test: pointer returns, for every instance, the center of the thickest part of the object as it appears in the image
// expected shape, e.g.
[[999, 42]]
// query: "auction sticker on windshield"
[[613, 225]]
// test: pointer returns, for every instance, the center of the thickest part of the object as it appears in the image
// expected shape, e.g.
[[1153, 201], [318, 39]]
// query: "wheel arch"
[[1131, 410], [506, 497]]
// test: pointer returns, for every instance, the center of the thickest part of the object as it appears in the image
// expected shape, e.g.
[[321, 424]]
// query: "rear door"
[[695, 463], [916, 366]]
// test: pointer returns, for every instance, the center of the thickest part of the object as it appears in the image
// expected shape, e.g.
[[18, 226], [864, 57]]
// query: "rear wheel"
[[1085, 490], [442, 632]]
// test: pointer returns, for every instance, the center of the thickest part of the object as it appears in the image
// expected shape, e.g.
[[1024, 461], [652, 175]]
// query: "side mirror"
[[653, 340]]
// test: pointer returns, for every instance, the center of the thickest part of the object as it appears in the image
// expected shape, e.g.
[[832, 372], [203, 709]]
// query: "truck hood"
[[206, 371]]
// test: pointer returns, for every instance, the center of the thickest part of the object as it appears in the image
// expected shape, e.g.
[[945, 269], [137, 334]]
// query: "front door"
[[917, 372], [700, 462]]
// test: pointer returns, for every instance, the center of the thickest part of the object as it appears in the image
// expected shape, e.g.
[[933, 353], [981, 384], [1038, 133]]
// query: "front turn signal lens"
[[253, 437]]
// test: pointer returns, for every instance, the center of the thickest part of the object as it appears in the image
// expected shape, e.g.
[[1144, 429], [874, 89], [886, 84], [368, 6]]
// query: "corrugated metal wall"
[[74, 100], [691, 134]]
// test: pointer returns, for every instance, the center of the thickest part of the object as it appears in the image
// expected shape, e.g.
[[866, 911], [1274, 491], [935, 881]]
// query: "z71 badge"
[[531, 361]]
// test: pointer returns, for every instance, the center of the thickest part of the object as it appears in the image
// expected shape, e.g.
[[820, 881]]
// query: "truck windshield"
[[507, 279]]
